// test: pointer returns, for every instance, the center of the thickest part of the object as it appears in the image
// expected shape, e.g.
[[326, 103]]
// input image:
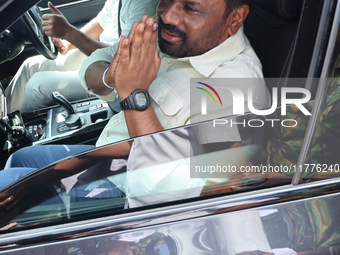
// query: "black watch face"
[[140, 99]]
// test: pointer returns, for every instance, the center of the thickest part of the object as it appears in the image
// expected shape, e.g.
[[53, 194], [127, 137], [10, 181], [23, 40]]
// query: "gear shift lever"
[[63, 102], [72, 120]]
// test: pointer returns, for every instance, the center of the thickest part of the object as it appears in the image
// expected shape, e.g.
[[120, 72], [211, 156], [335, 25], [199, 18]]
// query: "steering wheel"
[[32, 24]]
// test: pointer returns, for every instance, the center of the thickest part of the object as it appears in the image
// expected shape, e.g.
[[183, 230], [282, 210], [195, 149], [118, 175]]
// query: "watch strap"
[[129, 102]]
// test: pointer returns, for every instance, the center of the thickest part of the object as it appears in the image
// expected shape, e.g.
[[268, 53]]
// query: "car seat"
[[271, 28]]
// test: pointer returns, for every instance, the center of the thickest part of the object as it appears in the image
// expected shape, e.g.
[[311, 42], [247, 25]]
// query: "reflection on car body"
[[283, 212]]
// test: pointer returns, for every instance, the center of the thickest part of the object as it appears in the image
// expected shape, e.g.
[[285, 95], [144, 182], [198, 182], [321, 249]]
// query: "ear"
[[236, 18]]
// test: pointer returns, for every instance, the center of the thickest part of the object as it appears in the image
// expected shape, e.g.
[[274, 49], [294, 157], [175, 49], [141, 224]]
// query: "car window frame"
[[321, 87]]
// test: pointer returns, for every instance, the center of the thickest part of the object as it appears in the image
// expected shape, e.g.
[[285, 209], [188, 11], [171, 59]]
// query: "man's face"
[[190, 27]]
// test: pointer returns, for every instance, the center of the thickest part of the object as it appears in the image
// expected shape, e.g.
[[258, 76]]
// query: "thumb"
[[53, 9]]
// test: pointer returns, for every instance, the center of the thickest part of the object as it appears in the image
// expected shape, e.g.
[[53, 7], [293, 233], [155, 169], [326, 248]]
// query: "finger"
[[63, 50], [144, 18], [136, 44], [116, 58], [153, 40], [47, 16], [53, 9], [133, 31], [46, 28], [125, 52], [46, 22], [147, 38], [56, 41]]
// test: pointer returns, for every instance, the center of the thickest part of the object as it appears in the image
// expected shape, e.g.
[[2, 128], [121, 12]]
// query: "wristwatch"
[[139, 100]]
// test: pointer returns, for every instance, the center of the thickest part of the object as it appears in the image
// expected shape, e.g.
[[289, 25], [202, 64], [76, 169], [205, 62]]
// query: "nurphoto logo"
[[225, 97], [238, 100]]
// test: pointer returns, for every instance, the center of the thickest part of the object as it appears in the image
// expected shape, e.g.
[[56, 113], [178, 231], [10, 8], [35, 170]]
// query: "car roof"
[[11, 10]]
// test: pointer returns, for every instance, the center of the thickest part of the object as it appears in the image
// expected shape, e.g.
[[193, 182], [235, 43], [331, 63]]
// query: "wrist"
[[125, 91], [69, 33]]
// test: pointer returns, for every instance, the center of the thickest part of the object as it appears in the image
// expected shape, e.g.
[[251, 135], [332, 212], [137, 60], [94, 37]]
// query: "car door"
[[208, 208]]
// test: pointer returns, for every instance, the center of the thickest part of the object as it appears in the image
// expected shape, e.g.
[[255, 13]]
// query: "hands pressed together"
[[137, 61]]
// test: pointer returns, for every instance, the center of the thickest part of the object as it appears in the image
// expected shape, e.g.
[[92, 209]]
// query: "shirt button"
[[160, 100], [168, 61]]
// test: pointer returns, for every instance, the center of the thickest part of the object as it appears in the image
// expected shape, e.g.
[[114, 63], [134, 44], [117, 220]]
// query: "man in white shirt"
[[200, 39], [32, 86], [182, 25], [170, 90]]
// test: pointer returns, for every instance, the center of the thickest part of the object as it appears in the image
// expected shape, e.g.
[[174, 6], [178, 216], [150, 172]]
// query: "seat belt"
[[119, 9]]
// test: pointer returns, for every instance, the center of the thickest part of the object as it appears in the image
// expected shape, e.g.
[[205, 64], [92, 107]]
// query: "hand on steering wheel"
[[32, 24], [62, 45]]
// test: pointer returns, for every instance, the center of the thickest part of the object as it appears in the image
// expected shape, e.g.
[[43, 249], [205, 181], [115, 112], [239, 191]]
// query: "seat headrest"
[[286, 9]]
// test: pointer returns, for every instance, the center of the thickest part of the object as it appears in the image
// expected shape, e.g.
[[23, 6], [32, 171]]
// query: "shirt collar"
[[208, 62]]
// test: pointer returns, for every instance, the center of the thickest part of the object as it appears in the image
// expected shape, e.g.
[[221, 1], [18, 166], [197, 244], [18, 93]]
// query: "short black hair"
[[233, 4]]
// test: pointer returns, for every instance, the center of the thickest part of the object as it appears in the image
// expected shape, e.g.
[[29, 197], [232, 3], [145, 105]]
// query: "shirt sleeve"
[[104, 54], [105, 15], [134, 11]]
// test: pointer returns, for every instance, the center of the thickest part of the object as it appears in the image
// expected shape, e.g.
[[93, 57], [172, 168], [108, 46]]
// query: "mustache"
[[172, 29]]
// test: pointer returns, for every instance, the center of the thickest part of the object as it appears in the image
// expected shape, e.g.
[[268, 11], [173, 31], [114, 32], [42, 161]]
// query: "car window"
[[166, 167], [322, 160], [172, 166], [43, 3]]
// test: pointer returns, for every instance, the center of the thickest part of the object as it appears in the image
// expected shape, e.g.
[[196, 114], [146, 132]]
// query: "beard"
[[187, 48]]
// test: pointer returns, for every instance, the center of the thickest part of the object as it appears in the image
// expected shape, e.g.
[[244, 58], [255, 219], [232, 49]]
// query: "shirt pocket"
[[169, 110]]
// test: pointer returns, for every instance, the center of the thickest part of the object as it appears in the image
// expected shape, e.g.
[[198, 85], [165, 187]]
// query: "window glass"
[[323, 157], [167, 167], [308, 226], [43, 3]]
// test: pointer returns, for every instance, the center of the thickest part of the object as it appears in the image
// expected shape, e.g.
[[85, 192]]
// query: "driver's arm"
[[85, 39]]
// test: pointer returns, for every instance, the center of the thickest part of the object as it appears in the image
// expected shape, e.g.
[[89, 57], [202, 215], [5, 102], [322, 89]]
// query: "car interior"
[[273, 28]]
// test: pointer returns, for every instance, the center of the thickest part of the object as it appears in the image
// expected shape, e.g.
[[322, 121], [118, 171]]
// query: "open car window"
[[172, 166]]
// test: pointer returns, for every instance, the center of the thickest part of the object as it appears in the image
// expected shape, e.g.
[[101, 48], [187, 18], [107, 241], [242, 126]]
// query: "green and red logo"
[[209, 93]]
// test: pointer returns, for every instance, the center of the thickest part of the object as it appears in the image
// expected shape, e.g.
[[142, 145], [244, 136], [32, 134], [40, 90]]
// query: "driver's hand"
[[62, 45], [55, 24]]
